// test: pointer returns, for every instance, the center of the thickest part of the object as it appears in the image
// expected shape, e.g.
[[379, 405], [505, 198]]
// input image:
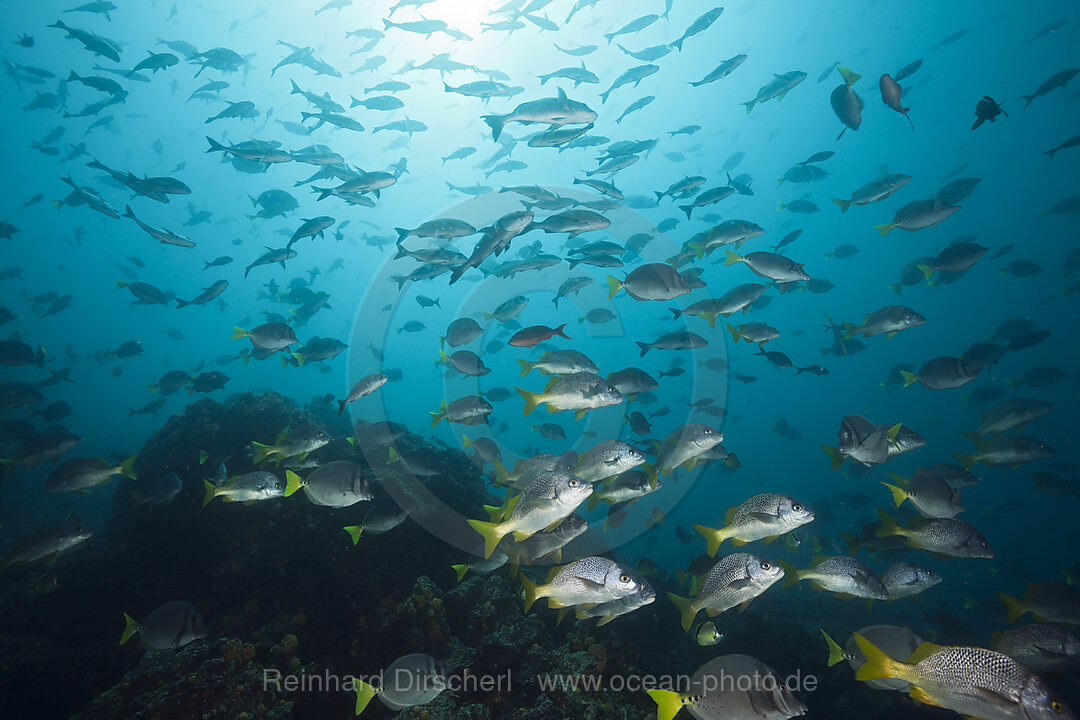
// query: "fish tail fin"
[[364, 692], [354, 532], [791, 574], [561, 332], [730, 258], [835, 455], [262, 452], [884, 229], [532, 399], [460, 570], [899, 494], [131, 626], [878, 665], [686, 610], [492, 534], [714, 538], [238, 333], [211, 492], [895, 288], [528, 588], [836, 653], [645, 347], [926, 270], [909, 377], [668, 703], [292, 483], [127, 468], [850, 77], [967, 460], [526, 366], [687, 209], [888, 525], [844, 205], [496, 123], [614, 286], [1013, 607]]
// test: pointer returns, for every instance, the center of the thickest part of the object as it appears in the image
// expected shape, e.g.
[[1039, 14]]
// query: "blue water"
[[158, 128]]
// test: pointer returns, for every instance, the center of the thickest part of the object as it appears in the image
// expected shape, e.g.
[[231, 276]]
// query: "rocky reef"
[[282, 586]]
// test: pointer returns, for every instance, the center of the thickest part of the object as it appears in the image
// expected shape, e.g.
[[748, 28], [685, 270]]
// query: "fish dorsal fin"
[[728, 515], [922, 652], [562, 94], [551, 381]]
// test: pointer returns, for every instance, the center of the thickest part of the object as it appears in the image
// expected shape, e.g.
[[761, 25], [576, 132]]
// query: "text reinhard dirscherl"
[[406, 681]]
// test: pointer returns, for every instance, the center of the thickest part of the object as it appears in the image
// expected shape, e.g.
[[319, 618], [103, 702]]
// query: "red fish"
[[536, 334]]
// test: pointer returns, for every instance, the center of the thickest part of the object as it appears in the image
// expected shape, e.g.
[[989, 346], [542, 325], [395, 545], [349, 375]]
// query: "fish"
[[904, 579], [950, 537], [891, 94], [1041, 648], [590, 580], [1050, 601], [555, 112], [168, 627], [410, 680], [971, 681], [336, 484], [845, 102], [548, 499], [80, 474], [247, 488], [579, 391], [46, 546], [734, 581], [765, 517]]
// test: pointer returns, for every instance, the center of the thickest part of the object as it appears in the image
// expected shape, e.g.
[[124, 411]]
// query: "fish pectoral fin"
[[994, 698], [590, 585], [763, 517]]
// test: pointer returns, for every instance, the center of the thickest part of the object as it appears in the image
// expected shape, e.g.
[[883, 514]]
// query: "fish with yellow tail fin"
[[918, 215], [247, 488], [581, 392], [170, 626], [971, 681], [544, 503], [732, 582], [731, 687], [480, 565], [291, 443], [845, 102], [591, 580], [1052, 601], [895, 641], [469, 410], [762, 517], [411, 680], [951, 537]]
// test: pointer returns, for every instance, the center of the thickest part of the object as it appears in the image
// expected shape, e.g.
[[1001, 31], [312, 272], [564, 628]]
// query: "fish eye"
[[1056, 706], [797, 507], [624, 578], [573, 482], [611, 388], [766, 565], [708, 431]]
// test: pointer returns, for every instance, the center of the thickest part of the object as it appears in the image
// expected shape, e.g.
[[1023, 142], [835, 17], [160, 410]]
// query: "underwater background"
[[277, 582]]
